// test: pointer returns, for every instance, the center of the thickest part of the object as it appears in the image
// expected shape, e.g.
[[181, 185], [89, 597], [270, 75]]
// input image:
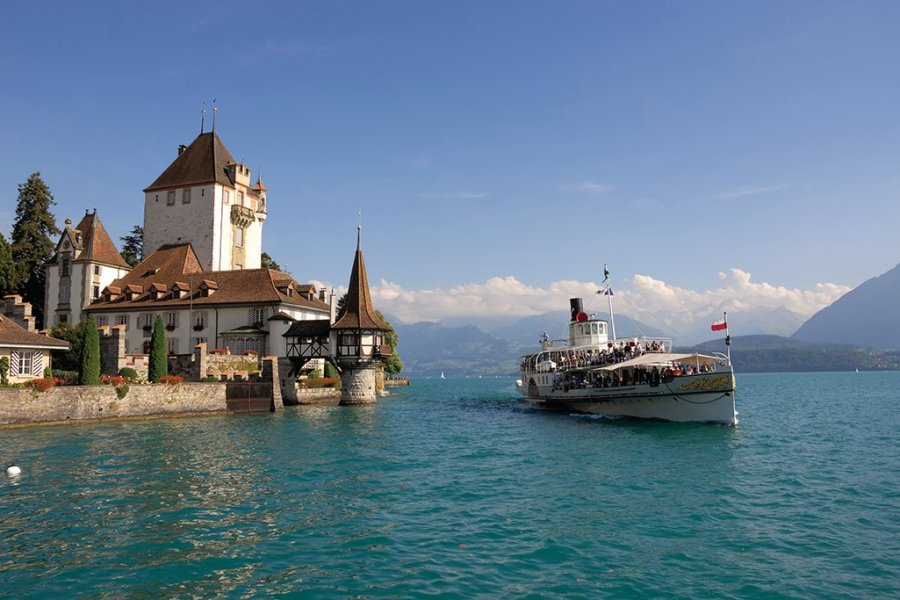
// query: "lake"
[[452, 488]]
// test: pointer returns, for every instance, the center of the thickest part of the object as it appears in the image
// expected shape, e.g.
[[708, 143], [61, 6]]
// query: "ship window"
[[595, 328]]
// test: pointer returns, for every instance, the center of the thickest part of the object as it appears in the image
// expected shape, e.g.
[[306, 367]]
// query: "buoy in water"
[[13, 470]]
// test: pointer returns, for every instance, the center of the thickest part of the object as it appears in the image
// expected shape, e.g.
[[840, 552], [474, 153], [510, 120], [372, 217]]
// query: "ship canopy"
[[663, 359]]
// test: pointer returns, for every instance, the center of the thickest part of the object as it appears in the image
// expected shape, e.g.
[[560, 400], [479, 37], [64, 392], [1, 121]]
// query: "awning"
[[661, 359]]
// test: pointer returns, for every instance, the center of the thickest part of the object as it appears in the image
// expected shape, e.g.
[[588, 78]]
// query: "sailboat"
[[442, 375]]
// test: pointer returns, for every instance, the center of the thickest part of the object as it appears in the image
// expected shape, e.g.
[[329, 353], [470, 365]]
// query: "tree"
[[7, 268], [133, 246], [159, 362], [32, 245], [392, 364], [267, 262], [69, 360], [89, 369]]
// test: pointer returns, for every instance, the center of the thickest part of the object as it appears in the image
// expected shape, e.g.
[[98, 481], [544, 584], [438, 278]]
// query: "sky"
[[500, 153]]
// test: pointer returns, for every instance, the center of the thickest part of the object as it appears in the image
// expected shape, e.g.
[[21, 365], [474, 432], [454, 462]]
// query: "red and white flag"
[[719, 325]]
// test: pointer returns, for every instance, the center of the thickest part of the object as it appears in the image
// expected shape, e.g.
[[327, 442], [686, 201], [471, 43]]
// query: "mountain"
[[867, 315], [429, 349], [776, 354]]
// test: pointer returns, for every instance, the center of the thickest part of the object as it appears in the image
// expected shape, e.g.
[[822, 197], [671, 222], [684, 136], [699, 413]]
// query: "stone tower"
[[357, 338], [206, 198]]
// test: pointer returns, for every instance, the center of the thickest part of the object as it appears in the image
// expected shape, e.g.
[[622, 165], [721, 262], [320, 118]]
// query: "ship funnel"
[[576, 307]]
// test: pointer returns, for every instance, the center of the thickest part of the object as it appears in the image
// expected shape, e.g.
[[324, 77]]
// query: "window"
[[145, 320], [102, 320], [202, 192], [62, 318], [122, 320], [64, 294], [171, 319], [170, 198], [257, 314], [241, 198], [26, 362], [186, 197], [199, 319], [95, 292], [226, 197], [64, 269], [172, 345], [98, 269], [239, 237]]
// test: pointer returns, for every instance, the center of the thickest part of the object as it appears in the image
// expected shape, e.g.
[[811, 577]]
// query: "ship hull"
[[706, 398]]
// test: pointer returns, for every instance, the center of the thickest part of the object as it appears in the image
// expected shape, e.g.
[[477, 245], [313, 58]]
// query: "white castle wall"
[[180, 222]]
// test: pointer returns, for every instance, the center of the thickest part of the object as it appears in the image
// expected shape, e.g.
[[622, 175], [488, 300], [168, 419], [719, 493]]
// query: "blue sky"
[[534, 141]]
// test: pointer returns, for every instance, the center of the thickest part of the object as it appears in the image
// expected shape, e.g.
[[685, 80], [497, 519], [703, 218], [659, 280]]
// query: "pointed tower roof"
[[358, 311], [260, 186], [96, 245], [204, 161]]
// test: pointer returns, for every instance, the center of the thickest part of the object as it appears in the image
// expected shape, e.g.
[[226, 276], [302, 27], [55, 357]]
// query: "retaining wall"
[[75, 403]]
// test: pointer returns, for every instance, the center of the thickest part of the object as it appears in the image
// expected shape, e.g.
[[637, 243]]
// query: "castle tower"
[[206, 198], [85, 261], [357, 338]]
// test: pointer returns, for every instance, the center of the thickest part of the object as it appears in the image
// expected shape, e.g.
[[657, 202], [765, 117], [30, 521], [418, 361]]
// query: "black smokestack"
[[576, 307]]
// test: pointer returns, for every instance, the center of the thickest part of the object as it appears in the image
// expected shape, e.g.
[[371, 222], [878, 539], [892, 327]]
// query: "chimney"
[[576, 307], [181, 148]]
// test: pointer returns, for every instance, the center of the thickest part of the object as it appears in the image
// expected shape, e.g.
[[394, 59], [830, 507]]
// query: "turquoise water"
[[451, 488]]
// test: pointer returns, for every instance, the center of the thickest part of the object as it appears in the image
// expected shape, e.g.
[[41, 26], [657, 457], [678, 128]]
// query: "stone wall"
[[74, 403]]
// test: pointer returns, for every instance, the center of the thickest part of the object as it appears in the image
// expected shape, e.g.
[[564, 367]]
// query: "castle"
[[201, 270]]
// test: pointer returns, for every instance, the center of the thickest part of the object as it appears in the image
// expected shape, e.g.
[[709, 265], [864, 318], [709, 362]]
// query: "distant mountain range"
[[868, 315], [861, 330]]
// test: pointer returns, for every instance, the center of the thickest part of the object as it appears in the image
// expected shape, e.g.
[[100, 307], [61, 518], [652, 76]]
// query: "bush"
[[4, 370], [129, 374], [42, 384], [65, 377], [210, 379], [321, 382], [116, 380], [171, 379], [122, 391]]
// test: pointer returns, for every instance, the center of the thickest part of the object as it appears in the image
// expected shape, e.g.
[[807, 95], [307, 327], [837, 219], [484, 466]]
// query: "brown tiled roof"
[[309, 328], [204, 161], [96, 243], [13, 334], [358, 311], [179, 263]]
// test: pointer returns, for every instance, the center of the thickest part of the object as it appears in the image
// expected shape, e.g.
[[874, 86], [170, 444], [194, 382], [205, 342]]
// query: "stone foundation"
[[358, 385], [91, 402]]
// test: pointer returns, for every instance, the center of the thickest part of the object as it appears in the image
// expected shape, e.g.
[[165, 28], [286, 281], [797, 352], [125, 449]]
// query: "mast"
[[608, 292]]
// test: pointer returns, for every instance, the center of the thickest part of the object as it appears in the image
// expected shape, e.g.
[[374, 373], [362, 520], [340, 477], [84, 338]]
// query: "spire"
[[358, 310]]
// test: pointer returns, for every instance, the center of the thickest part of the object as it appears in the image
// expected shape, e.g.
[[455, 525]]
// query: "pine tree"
[[89, 371], [133, 246], [7, 268], [159, 363], [32, 245]]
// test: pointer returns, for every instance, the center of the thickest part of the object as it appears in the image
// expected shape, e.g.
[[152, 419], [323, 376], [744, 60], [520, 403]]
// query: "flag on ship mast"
[[720, 324], [605, 273]]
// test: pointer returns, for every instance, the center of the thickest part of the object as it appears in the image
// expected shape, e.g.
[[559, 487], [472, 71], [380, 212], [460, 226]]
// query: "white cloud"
[[592, 187], [643, 297], [740, 192]]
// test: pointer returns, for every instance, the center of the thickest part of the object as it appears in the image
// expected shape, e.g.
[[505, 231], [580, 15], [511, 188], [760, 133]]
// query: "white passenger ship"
[[593, 372]]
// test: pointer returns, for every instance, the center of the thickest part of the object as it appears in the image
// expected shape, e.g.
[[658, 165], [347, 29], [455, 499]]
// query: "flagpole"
[[727, 337]]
